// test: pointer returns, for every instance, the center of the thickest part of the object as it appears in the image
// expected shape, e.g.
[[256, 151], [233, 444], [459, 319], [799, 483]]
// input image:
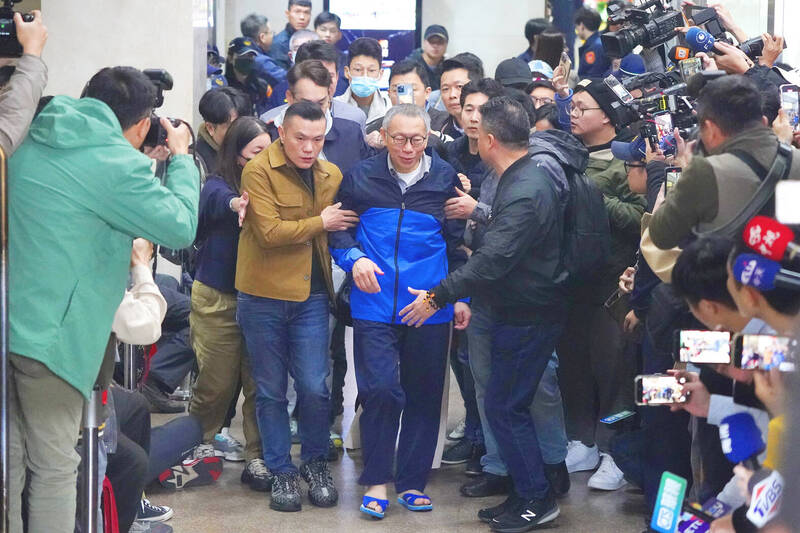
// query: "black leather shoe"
[[490, 513], [486, 485], [474, 467], [558, 476]]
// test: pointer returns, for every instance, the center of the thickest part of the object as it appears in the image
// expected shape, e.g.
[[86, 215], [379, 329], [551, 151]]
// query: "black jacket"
[[518, 268]]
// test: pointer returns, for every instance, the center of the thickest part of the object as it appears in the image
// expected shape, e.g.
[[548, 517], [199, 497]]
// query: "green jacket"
[[78, 195]]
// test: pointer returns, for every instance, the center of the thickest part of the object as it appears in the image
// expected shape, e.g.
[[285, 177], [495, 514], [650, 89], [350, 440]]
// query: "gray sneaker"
[[321, 491], [286, 492]]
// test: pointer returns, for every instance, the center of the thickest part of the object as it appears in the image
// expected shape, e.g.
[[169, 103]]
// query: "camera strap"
[[779, 170]]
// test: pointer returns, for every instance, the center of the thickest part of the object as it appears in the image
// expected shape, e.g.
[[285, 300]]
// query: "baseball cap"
[[512, 71], [631, 65], [540, 67], [242, 45], [604, 97], [632, 151], [436, 29]]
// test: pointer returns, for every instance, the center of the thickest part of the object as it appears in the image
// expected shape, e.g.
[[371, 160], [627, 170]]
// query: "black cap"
[[513, 71], [436, 29], [602, 94]]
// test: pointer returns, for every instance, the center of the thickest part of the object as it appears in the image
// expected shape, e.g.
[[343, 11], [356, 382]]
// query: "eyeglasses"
[[360, 71], [540, 101], [401, 140], [629, 165], [579, 111]]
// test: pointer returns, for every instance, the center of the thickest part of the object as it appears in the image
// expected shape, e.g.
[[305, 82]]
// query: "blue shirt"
[[594, 62], [527, 56], [217, 236]]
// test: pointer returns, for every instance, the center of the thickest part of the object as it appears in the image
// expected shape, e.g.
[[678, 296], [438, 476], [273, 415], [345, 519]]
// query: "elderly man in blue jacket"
[[402, 239]]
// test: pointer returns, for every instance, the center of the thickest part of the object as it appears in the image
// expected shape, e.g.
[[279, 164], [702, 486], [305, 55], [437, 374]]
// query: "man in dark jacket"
[[593, 59], [219, 107], [431, 54], [518, 272], [298, 14], [402, 239]]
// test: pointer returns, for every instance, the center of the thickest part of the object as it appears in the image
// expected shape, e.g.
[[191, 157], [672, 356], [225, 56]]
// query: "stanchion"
[[4, 400], [129, 366], [90, 441]]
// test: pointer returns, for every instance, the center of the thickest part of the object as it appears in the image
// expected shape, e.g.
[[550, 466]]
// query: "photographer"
[[738, 149], [19, 97], [81, 192]]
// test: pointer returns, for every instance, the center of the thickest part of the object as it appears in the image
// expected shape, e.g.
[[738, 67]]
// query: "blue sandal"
[[407, 500], [366, 500]]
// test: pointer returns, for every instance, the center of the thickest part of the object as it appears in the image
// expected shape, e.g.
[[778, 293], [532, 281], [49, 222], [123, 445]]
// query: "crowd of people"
[[521, 231]]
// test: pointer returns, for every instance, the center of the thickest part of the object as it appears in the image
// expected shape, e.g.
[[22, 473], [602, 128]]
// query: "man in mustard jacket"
[[80, 191], [283, 275]]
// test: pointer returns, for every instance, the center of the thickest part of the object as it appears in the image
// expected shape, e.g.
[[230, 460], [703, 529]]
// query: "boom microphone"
[[764, 274], [771, 239], [699, 40], [741, 440]]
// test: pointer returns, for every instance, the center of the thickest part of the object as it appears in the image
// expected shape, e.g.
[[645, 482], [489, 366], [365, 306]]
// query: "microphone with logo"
[[772, 239], [699, 40], [679, 53], [764, 274]]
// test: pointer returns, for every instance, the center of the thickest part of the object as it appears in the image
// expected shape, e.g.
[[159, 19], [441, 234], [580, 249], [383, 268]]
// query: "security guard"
[[593, 60]]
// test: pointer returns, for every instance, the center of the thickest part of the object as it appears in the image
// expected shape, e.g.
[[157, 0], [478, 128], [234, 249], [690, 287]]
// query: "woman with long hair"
[[215, 335], [548, 47]]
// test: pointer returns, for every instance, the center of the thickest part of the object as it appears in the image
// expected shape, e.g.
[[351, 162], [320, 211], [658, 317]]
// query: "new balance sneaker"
[[153, 513], [192, 473], [490, 513], [321, 490], [458, 431], [526, 516], [608, 476], [581, 457], [257, 475], [286, 492], [558, 477], [458, 453], [228, 447]]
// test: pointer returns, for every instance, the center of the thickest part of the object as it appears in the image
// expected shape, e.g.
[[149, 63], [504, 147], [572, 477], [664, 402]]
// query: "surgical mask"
[[363, 86]]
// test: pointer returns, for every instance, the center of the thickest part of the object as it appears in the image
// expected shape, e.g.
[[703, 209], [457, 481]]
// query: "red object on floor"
[[192, 473], [110, 518]]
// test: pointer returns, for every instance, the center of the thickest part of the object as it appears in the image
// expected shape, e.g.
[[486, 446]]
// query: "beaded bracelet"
[[429, 300]]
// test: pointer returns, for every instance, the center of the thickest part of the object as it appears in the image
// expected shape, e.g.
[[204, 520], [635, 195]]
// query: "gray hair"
[[306, 35], [406, 110], [252, 25]]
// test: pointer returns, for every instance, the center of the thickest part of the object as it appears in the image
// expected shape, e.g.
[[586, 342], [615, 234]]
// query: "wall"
[[274, 10], [85, 36], [492, 30]]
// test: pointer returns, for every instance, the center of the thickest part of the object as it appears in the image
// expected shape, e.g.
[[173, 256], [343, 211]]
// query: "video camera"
[[9, 44], [647, 28], [157, 136]]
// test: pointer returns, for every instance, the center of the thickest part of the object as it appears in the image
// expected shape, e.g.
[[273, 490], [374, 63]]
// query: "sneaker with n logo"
[[192, 473], [526, 516]]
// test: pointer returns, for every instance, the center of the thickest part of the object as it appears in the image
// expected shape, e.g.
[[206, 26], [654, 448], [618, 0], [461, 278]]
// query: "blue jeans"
[[546, 409], [520, 355], [288, 338]]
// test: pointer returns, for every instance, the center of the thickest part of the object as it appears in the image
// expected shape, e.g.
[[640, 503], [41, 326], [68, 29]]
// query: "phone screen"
[[787, 198], [704, 346], [659, 389], [405, 93], [673, 175], [765, 352], [622, 93], [663, 123], [690, 67], [790, 102]]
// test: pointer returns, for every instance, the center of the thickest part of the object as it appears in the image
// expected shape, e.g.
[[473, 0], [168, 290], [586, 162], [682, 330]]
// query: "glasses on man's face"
[[401, 140], [579, 111], [539, 101], [361, 71], [629, 165]]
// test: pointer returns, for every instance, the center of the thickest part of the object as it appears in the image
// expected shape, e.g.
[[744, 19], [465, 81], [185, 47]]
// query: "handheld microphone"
[[771, 239], [766, 489], [679, 53], [764, 274], [741, 440], [699, 40]]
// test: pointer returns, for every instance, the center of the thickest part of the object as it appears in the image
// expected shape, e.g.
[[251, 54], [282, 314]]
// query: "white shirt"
[[138, 318]]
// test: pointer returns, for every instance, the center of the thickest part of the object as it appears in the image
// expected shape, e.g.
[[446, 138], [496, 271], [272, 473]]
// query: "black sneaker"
[[458, 453], [257, 475], [474, 467], [286, 492], [153, 513], [490, 513], [526, 516], [486, 485], [558, 476], [321, 491], [160, 401]]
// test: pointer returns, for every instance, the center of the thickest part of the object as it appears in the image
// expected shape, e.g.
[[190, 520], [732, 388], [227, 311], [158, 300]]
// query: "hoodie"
[[79, 196]]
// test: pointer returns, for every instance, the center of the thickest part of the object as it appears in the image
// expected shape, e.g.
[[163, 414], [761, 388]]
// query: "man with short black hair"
[[363, 71], [283, 276], [219, 107], [81, 166], [593, 60], [456, 72], [533, 28], [259, 37], [298, 14], [329, 28], [432, 52], [518, 273]]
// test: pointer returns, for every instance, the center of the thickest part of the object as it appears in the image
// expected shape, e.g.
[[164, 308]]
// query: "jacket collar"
[[203, 133], [277, 159], [378, 166]]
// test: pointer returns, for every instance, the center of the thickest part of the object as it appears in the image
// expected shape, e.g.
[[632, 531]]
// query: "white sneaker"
[[458, 431], [580, 457], [201, 451], [228, 447], [608, 476]]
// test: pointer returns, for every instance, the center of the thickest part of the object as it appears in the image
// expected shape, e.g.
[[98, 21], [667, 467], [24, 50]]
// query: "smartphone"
[[618, 89], [673, 175], [765, 352], [690, 67], [790, 102], [405, 93], [566, 64], [664, 127], [659, 389], [787, 198], [704, 346]]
